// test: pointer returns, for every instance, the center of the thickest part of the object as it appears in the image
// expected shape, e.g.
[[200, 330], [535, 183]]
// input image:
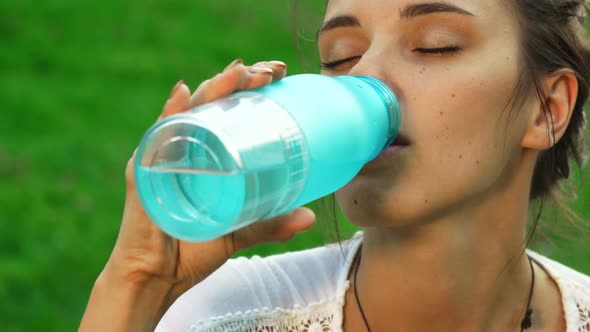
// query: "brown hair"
[[552, 35]]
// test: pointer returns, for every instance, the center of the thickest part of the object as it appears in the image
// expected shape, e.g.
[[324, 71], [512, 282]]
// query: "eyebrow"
[[409, 11], [339, 22], [420, 9]]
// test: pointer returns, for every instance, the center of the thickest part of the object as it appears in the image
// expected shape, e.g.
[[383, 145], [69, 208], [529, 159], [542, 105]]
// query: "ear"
[[544, 130]]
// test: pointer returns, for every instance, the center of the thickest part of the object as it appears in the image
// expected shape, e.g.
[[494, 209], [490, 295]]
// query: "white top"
[[304, 292]]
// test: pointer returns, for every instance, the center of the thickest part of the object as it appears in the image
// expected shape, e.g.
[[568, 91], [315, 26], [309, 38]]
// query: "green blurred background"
[[79, 83]]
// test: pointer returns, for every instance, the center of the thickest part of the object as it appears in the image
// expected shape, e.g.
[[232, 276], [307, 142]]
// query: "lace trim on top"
[[325, 316], [576, 304], [317, 317]]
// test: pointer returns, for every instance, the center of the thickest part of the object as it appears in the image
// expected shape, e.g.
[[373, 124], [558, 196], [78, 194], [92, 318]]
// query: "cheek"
[[465, 118], [466, 136]]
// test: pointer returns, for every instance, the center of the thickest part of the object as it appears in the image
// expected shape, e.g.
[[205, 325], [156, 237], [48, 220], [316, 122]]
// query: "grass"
[[81, 82]]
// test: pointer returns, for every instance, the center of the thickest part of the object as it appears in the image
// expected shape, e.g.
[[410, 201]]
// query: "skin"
[[444, 219]]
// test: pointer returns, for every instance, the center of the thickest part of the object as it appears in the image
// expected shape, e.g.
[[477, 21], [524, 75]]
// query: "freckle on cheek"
[[441, 113], [453, 95], [460, 156], [477, 162], [425, 201]]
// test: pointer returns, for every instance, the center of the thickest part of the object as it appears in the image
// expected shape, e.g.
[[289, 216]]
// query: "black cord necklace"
[[524, 324]]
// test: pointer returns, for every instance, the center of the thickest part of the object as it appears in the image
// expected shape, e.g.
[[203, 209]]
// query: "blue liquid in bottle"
[[257, 154]]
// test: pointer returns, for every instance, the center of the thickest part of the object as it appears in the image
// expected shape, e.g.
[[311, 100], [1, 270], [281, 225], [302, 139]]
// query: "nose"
[[372, 63], [378, 64]]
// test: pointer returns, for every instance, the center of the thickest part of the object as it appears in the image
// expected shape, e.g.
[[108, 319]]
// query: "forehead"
[[390, 9]]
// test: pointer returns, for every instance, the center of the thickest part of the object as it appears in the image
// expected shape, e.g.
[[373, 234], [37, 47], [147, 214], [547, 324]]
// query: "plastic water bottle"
[[259, 153]]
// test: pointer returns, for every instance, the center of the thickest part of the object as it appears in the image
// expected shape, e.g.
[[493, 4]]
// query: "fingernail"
[[278, 63], [175, 88], [233, 63], [260, 70]]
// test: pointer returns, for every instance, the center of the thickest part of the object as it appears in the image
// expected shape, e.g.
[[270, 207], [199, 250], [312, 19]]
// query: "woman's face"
[[454, 67]]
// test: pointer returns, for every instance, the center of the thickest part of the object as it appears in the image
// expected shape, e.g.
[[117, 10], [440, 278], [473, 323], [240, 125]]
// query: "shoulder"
[[561, 273], [287, 281], [575, 290]]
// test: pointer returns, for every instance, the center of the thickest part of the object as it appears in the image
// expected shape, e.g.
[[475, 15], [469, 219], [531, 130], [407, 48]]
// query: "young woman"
[[492, 94]]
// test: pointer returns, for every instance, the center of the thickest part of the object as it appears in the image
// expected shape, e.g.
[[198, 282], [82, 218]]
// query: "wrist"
[[147, 296], [125, 303]]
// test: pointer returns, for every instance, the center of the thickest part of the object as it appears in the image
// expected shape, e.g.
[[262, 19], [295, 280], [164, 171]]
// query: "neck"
[[464, 272]]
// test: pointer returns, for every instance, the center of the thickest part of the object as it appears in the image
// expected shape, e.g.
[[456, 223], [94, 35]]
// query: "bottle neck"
[[389, 101]]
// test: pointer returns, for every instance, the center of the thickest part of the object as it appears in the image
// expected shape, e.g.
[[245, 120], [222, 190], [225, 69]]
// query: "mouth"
[[400, 140], [399, 144]]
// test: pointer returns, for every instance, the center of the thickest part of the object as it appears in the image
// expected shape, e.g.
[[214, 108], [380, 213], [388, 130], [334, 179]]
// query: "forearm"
[[117, 305]]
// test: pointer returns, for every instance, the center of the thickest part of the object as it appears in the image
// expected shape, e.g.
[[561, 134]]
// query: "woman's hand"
[[148, 269]]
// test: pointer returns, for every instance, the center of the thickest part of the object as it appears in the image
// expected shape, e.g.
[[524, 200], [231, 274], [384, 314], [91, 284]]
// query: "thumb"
[[178, 101], [278, 229]]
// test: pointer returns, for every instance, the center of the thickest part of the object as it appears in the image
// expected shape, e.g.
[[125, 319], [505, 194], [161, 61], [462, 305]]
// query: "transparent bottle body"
[[198, 186]]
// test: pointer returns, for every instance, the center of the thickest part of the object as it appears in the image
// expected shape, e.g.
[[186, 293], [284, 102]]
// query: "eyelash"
[[336, 63], [438, 50]]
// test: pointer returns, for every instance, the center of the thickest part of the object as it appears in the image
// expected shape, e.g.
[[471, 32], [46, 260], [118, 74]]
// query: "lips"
[[399, 144]]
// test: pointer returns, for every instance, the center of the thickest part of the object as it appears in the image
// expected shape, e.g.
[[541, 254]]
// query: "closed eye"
[[423, 50], [336, 63], [438, 50]]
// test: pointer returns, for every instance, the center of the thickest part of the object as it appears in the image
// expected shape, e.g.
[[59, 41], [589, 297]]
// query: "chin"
[[365, 205], [366, 208]]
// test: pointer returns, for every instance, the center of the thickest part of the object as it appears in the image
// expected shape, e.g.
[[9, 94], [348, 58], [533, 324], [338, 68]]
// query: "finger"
[[129, 173], [279, 229], [178, 101], [234, 63], [219, 86], [236, 76], [258, 74], [257, 77], [279, 68]]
